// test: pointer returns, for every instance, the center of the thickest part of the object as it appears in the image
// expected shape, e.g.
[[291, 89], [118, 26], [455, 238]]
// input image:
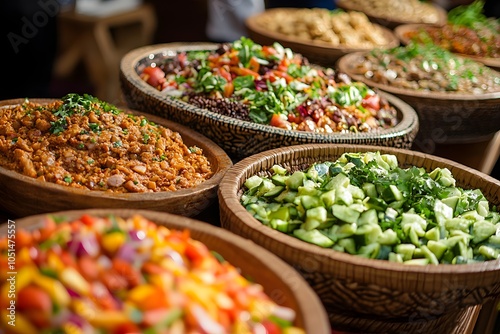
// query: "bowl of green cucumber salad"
[[391, 240]]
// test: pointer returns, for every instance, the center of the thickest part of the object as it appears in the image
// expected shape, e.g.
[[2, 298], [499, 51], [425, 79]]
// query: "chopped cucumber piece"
[[314, 237]]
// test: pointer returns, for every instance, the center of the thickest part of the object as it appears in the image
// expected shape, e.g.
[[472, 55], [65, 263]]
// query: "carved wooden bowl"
[[279, 280], [318, 52], [22, 195], [367, 295], [242, 138], [390, 19]]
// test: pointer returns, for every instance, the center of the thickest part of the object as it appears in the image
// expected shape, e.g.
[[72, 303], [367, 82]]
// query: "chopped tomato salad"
[[270, 85], [117, 276]]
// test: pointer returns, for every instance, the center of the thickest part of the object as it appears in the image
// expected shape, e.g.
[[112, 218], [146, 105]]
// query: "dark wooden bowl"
[[318, 52], [402, 30], [241, 138], [390, 22], [22, 195], [280, 281], [450, 118], [367, 295]]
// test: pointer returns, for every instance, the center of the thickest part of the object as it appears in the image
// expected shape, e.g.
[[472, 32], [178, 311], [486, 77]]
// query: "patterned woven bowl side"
[[365, 294], [280, 281], [242, 138]]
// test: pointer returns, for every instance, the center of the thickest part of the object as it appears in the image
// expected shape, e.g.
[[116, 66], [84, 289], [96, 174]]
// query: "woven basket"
[[318, 52], [389, 22], [21, 195], [402, 30], [367, 295], [445, 118], [280, 282], [242, 138]]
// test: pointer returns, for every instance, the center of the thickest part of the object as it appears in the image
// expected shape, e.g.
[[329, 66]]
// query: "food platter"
[[390, 16], [403, 30], [342, 280], [46, 197], [280, 281], [445, 117], [317, 51], [237, 137]]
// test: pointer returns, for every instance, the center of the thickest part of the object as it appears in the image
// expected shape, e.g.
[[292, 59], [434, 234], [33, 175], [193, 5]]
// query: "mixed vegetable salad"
[[271, 85], [365, 204], [114, 275], [468, 31]]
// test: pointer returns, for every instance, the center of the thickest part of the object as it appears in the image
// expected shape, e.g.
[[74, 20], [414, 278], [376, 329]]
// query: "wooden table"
[[100, 42]]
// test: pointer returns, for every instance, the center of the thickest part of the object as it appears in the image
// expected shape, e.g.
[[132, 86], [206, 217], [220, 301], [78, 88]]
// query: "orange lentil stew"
[[86, 143], [115, 275]]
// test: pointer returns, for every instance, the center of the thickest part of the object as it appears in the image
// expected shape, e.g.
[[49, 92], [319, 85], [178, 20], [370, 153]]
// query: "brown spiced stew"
[[86, 143]]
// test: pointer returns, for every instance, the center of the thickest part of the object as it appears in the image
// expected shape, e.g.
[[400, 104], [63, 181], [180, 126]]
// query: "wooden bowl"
[[22, 195], [367, 295], [445, 118], [402, 30], [317, 52], [391, 21], [280, 281], [241, 138]]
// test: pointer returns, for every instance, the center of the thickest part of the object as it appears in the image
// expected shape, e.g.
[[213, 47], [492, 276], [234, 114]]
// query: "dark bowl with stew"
[[24, 195], [465, 115], [242, 138]]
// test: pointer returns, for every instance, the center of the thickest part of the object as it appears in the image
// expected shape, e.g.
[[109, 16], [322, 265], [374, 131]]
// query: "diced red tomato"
[[371, 101], [283, 74], [279, 122], [154, 76], [87, 266], [23, 238], [268, 50], [127, 328], [196, 251], [34, 298], [271, 327], [225, 74]]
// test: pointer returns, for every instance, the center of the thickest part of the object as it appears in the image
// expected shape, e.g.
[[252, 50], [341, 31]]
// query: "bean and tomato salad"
[[115, 275], [271, 85]]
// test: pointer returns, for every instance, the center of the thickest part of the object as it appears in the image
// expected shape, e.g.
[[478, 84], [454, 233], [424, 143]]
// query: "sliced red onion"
[[73, 293], [259, 329], [136, 235], [81, 245], [176, 257], [77, 320], [127, 252]]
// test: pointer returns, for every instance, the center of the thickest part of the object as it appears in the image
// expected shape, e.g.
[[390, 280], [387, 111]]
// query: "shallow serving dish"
[[22, 195], [390, 21], [366, 295], [280, 281], [444, 117], [402, 30], [241, 138], [318, 52]]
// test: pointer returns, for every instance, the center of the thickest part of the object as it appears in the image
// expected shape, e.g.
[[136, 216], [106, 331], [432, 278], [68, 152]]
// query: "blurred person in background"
[[226, 18], [29, 46], [328, 4]]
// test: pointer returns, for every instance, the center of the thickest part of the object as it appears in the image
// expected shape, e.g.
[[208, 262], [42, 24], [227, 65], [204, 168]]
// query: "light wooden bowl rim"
[[130, 61], [320, 47], [347, 5], [310, 308], [223, 163], [234, 179], [401, 30], [346, 63]]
